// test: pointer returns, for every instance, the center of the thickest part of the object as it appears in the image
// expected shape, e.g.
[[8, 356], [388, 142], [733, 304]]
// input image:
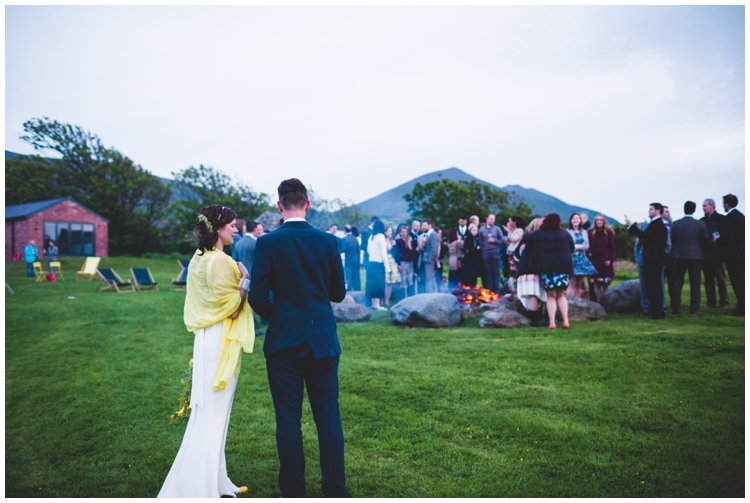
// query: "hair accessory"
[[203, 218]]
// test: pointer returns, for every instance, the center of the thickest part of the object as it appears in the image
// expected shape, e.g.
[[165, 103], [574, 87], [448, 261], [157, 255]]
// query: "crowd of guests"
[[546, 260], [540, 267]]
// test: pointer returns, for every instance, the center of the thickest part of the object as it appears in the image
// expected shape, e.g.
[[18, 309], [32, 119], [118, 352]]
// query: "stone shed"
[[77, 230]]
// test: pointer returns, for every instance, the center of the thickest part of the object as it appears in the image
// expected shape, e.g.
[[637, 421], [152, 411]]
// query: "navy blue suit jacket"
[[302, 267]]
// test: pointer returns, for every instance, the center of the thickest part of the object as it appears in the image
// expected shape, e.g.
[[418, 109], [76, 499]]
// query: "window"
[[71, 238]]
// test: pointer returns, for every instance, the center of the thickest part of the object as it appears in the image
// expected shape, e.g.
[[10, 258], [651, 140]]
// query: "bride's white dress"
[[200, 468]]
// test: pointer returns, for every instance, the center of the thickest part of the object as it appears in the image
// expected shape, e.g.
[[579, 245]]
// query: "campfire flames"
[[474, 295]]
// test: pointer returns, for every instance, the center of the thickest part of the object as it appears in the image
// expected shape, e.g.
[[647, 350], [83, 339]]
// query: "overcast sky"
[[609, 108]]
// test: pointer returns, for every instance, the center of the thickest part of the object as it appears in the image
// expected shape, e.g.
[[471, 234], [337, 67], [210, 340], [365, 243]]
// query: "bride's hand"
[[242, 269]]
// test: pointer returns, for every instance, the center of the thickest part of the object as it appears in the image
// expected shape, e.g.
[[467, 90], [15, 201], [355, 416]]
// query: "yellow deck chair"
[[40, 275], [88, 270], [56, 269]]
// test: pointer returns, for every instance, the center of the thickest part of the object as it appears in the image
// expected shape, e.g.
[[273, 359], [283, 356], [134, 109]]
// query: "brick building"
[[77, 230]]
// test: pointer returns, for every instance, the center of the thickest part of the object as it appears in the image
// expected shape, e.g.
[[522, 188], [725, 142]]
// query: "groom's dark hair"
[[292, 194]]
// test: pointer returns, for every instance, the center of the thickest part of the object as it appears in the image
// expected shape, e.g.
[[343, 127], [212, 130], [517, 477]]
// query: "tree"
[[111, 184], [444, 201], [203, 186]]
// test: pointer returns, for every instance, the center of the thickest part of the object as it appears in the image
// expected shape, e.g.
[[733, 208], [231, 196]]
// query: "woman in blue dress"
[[582, 266]]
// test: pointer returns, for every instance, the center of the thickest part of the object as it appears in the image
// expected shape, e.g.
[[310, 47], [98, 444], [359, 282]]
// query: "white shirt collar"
[[657, 216], [689, 216], [295, 219], [730, 211]]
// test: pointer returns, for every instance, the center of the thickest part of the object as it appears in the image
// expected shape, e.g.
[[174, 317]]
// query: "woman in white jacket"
[[378, 265]]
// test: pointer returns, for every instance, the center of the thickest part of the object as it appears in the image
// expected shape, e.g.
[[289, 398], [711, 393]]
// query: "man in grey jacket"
[[688, 238], [431, 255], [491, 241], [244, 251]]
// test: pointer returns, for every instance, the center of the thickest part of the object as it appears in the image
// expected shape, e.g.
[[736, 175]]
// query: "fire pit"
[[474, 296]]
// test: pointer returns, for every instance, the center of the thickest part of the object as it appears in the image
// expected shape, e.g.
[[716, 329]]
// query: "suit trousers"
[[491, 278], [353, 281], [736, 271], [713, 274], [287, 376], [430, 279], [653, 274], [693, 268]]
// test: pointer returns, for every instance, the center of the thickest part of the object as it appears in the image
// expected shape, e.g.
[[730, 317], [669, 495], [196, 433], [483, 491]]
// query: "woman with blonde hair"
[[215, 312], [601, 253]]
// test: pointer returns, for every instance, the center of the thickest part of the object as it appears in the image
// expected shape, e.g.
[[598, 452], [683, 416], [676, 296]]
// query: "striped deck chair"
[[143, 279], [88, 269], [179, 284], [110, 279]]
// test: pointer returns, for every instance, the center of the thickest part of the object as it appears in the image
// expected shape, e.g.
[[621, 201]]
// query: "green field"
[[625, 407]]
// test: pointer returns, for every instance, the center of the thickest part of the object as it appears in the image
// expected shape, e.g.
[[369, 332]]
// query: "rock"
[[349, 311], [427, 310], [623, 298], [502, 317], [580, 309], [359, 297]]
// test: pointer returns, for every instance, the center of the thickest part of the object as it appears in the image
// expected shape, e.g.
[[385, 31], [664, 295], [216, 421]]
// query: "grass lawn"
[[625, 407]]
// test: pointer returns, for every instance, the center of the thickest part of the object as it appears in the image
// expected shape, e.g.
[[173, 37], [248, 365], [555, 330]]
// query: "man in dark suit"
[[419, 281], [713, 266], [351, 259], [302, 266], [688, 238], [731, 244], [654, 258], [463, 227]]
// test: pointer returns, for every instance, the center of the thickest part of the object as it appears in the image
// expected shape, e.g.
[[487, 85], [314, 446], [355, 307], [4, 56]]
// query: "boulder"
[[580, 309], [502, 317], [427, 310], [623, 298], [349, 311]]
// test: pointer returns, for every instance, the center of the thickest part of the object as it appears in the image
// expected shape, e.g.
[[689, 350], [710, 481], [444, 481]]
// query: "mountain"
[[391, 205]]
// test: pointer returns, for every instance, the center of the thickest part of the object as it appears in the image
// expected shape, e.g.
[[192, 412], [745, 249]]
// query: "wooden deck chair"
[[143, 279], [112, 280], [40, 275], [179, 284], [56, 269], [88, 269]]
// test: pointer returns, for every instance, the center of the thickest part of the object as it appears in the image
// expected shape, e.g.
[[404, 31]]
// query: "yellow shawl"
[[212, 296]]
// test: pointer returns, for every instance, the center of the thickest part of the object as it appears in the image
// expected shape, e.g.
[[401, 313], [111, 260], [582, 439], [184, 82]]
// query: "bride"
[[215, 311]]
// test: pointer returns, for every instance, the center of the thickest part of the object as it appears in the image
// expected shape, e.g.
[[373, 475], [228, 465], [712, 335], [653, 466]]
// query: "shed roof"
[[22, 211]]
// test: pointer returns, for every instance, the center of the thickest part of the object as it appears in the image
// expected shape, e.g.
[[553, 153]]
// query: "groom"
[[302, 267]]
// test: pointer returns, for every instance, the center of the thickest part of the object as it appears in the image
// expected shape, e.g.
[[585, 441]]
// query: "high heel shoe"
[[566, 325], [552, 326]]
